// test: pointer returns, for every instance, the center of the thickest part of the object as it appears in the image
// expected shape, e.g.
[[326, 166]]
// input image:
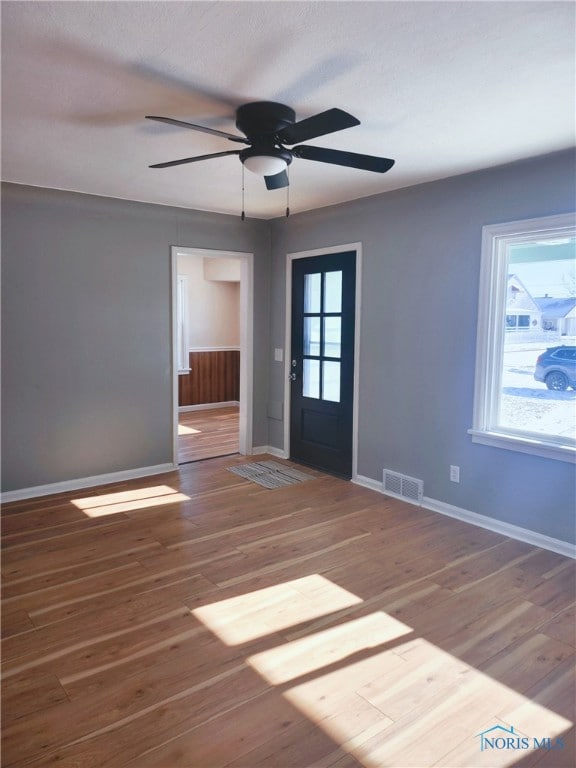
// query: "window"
[[565, 354], [525, 389], [322, 335], [182, 324], [517, 321]]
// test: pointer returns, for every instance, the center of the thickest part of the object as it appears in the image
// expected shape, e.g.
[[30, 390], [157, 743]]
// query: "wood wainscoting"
[[214, 378]]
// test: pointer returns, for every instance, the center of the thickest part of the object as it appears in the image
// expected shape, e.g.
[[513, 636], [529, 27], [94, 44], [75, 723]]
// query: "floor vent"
[[402, 486]]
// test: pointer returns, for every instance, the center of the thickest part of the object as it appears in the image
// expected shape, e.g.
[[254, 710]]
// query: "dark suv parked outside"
[[557, 368]]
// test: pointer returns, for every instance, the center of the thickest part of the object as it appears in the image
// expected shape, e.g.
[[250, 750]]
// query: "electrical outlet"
[[454, 473]]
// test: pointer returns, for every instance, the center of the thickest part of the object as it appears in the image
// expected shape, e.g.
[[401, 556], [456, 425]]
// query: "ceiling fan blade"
[[349, 159], [277, 181], [318, 125], [170, 163], [190, 89], [194, 127]]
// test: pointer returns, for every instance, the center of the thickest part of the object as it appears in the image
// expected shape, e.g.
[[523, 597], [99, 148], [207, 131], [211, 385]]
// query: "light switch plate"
[[278, 354]]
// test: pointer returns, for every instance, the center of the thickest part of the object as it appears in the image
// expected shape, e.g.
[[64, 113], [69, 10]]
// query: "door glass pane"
[[312, 336], [333, 292], [311, 378], [332, 336], [331, 381], [312, 293]]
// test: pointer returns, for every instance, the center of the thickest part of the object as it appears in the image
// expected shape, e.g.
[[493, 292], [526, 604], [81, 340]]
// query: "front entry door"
[[322, 361]]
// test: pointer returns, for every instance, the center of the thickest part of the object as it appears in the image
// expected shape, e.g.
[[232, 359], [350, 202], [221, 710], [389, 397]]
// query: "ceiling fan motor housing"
[[261, 121]]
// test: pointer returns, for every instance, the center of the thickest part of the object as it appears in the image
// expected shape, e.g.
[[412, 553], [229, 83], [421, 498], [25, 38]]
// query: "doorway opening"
[[212, 353], [208, 434]]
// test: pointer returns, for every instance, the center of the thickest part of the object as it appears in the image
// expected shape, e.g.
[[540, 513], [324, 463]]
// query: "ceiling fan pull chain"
[[288, 193], [243, 216]]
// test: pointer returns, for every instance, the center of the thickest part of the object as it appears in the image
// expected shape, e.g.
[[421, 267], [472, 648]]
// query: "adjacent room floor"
[[196, 619], [207, 434]]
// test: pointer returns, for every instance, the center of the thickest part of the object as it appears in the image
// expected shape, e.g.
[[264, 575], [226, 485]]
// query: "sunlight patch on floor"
[[184, 430], [260, 613], [382, 693], [128, 501], [337, 646], [411, 704]]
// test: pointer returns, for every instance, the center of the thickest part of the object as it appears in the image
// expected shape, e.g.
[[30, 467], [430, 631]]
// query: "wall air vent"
[[402, 486]]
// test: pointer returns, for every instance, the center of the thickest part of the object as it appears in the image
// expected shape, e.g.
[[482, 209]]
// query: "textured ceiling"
[[441, 87]]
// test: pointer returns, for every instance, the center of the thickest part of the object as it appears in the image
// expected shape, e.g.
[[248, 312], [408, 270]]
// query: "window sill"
[[524, 445]]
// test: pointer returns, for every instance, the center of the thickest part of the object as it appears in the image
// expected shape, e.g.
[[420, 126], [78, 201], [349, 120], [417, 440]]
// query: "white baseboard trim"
[[489, 523], [85, 482], [278, 452], [506, 529], [207, 406], [367, 482], [214, 349]]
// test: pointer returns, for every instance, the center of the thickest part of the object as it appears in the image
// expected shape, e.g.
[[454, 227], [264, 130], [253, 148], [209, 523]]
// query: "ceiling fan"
[[267, 126]]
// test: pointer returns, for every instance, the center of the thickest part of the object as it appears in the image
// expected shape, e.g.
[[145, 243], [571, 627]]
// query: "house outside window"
[[525, 388]]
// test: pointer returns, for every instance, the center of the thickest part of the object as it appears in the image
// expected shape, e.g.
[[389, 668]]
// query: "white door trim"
[[246, 340], [290, 257]]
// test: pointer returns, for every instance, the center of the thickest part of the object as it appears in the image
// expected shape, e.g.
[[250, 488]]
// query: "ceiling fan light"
[[265, 165]]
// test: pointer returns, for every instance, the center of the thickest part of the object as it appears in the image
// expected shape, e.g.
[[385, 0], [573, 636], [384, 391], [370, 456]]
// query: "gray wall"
[[86, 330], [421, 261]]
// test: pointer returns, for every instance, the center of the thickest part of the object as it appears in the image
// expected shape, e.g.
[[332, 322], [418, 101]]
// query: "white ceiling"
[[441, 87]]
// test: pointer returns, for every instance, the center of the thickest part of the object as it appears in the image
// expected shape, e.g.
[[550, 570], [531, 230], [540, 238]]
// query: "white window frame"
[[182, 321], [496, 240]]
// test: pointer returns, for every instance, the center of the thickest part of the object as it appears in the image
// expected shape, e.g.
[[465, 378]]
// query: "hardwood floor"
[[208, 434], [195, 619]]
